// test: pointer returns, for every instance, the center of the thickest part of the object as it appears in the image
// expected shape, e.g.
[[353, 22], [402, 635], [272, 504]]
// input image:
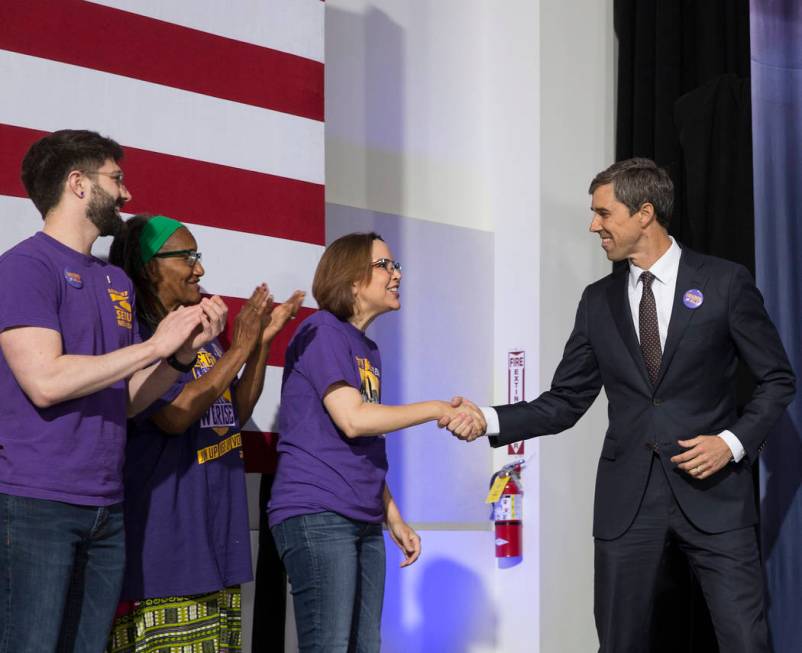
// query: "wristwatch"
[[176, 364]]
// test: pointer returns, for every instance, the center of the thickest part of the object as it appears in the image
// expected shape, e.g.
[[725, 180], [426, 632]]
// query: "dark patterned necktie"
[[649, 332]]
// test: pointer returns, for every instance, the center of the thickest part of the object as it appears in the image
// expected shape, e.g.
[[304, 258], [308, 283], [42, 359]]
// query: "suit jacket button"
[[657, 401]]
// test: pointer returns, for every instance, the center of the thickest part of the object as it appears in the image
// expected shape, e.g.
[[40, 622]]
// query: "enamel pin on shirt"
[[73, 278]]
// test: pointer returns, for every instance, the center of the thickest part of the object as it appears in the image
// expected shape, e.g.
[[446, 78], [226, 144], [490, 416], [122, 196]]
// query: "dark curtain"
[[270, 600], [684, 101], [777, 111]]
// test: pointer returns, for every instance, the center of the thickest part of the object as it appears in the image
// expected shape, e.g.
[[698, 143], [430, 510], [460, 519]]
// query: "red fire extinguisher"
[[508, 512]]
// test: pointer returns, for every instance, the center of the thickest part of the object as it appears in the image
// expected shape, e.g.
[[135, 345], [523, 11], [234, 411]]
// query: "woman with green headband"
[[187, 537]]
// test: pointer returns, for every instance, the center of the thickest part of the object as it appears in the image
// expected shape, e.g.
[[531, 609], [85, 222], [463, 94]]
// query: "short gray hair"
[[636, 182]]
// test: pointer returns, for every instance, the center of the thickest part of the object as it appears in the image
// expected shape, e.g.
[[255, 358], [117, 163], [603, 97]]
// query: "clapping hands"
[[277, 316], [260, 319], [464, 419], [187, 328]]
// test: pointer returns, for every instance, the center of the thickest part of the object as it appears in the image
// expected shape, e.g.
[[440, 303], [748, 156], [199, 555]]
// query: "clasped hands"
[[464, 419]]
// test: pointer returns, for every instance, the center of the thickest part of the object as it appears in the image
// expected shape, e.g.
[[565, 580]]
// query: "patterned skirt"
[[204, 623]]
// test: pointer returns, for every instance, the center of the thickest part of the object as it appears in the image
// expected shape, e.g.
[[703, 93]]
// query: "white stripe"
[[265, 413], [294, 26], [19, 219], [235, 261], [47, 95]]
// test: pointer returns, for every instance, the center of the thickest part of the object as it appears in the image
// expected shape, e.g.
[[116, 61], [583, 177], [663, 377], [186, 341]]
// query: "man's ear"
[[646, 214], [76, 183]]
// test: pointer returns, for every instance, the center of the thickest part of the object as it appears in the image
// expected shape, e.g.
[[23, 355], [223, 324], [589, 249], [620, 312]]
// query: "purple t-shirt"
[[73, 451], [319, 469], [186, 510]]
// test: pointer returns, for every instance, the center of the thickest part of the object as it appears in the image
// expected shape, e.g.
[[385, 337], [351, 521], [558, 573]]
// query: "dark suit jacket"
[[694, 393]]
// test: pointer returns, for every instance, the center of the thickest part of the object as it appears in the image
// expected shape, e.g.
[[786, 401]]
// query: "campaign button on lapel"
[[693, 298]]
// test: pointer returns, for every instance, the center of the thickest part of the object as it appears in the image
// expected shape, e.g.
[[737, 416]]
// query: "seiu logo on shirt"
[[220, 417], [220, 413], [369, 384], [122, 307]]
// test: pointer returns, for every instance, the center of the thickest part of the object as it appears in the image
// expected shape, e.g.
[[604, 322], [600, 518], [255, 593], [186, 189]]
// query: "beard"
[[103, 212]]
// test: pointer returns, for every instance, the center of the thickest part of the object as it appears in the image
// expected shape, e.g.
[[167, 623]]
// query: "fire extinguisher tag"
[[496, 489], [508, 509]]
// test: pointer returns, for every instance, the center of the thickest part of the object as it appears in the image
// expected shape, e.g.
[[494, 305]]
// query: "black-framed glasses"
[[191, 256], [388, 264], [117, 176]]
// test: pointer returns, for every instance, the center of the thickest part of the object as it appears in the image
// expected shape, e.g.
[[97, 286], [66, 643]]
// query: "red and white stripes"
[[219, 107]]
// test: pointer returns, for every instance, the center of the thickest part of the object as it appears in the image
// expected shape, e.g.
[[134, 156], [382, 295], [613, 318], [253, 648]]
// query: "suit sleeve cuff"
[[737, 449], [491, 417]]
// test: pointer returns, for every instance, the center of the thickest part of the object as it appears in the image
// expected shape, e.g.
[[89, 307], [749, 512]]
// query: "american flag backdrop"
[[219, 107]]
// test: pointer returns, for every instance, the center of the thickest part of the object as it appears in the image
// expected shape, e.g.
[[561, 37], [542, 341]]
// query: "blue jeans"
[[61, 570], [336, 568]]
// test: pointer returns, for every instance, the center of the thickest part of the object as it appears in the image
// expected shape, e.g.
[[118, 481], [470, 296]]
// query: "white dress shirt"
[[665, 271]]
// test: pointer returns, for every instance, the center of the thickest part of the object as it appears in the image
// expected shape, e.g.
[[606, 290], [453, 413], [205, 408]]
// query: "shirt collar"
[[664, 269]]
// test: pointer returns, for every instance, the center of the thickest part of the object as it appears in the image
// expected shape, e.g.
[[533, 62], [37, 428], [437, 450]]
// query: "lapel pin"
[[693, 298], [73, 278]]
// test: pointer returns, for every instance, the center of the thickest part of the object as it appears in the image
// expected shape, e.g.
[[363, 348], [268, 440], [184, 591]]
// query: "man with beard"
[[72, 367]]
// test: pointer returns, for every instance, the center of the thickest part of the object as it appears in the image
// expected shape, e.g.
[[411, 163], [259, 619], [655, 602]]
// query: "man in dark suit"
[[663, 334]]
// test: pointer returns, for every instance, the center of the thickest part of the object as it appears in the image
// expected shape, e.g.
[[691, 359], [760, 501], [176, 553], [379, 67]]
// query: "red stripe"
[[259, 450], [280, 342], [123, 43], [14, 143], [222, 196], [198, 192]]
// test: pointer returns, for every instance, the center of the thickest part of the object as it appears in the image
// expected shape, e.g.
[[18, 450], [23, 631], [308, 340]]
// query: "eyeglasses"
[[117, 176], [191, 256], [388, 264]]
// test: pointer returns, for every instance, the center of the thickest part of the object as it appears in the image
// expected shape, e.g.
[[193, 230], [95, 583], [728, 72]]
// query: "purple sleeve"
[[167, 398], [141, 333], [29, 295], [136, 337], [326, 359]]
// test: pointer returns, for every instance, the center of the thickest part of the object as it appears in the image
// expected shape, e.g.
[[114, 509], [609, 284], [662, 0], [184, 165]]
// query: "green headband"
[[154, 234]]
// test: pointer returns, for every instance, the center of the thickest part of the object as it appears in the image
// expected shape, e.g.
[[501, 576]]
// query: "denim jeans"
[[336, 568], [61, 569]]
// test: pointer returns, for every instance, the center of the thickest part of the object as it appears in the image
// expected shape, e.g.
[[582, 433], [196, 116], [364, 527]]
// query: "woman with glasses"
[[329, 497], [187, 537]]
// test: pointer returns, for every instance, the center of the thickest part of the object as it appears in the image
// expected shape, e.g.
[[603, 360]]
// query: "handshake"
[[463, 418]]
